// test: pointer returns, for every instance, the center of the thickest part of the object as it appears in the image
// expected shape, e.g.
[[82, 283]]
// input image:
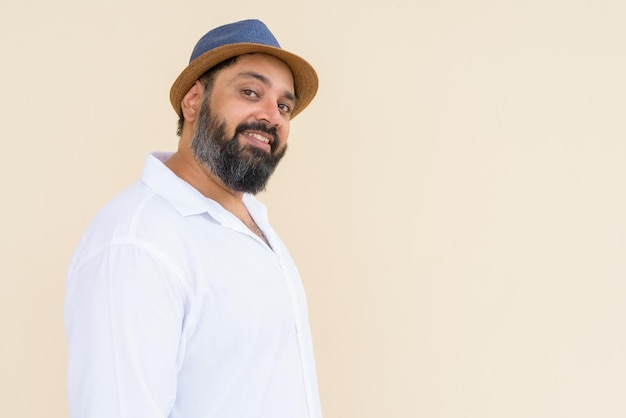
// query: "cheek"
[[232, 120], [284, 133]]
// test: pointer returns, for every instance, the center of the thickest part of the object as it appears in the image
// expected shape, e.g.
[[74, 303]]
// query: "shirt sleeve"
[[124, 316]]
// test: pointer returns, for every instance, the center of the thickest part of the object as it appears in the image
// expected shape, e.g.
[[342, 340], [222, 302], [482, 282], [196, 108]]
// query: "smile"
[[257, 139]]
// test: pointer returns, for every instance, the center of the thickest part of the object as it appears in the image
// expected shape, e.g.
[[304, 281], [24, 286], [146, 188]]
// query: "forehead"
[[273, 69]]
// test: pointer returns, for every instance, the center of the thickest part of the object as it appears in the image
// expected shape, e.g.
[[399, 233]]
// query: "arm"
[[124, 316]]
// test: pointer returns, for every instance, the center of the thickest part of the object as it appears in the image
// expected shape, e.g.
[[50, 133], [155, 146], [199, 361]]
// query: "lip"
[[253, 138]]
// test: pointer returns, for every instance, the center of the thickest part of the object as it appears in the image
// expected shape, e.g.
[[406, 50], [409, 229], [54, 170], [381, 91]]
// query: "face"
[[243, 125]]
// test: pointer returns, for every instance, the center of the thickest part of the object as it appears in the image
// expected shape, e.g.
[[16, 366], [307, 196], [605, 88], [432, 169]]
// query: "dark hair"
[[207, 79]]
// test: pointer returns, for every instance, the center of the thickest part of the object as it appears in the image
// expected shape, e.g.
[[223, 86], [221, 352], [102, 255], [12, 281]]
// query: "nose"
[[268, 111]]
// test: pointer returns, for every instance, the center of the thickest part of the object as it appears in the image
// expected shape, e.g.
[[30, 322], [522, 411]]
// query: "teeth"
[[260, 137]]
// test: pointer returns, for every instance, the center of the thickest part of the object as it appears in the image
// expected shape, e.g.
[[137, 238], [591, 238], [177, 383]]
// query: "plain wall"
[[454, 197]]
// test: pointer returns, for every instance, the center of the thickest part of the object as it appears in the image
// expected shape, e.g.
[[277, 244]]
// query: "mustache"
[[261, 127]]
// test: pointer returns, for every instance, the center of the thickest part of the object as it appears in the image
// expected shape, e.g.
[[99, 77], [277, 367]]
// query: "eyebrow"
[[289, 95]]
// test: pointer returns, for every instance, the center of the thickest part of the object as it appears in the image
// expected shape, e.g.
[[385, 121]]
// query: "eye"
[[284, 108], [249, 93]]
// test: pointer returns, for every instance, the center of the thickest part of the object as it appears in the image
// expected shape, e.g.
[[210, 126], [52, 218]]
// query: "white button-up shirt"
[[174, 308]]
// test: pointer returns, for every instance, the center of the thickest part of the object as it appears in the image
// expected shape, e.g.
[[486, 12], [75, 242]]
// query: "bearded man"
[[181, 300]]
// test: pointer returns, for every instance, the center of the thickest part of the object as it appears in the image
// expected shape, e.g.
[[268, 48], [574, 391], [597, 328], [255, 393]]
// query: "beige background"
[[454, 197]]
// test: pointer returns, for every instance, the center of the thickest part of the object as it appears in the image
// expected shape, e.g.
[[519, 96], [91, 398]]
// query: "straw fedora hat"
[[233, 39]]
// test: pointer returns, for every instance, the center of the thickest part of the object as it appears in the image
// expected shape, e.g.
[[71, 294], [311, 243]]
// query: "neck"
[[185, 166], [189, 169]]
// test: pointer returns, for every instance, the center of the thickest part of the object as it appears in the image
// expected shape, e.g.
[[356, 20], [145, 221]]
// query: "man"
[[181, 300]]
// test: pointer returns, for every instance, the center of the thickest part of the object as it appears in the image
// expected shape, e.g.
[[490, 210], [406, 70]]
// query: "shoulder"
[[124, 216], [136, 218]]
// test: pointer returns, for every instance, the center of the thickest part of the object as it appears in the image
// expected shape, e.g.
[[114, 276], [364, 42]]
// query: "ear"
[[192, 101]]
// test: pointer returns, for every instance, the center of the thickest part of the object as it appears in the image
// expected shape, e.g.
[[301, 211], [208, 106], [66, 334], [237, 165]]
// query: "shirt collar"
[[187, 199]]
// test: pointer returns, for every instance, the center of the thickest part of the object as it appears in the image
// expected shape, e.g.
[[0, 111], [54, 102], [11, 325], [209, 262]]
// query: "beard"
[[241, 167]]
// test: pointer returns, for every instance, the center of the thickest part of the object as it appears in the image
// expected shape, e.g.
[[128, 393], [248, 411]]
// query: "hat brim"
[[305, 77]]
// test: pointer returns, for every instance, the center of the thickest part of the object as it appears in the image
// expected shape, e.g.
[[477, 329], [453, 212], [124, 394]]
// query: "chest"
[[243, 293]]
